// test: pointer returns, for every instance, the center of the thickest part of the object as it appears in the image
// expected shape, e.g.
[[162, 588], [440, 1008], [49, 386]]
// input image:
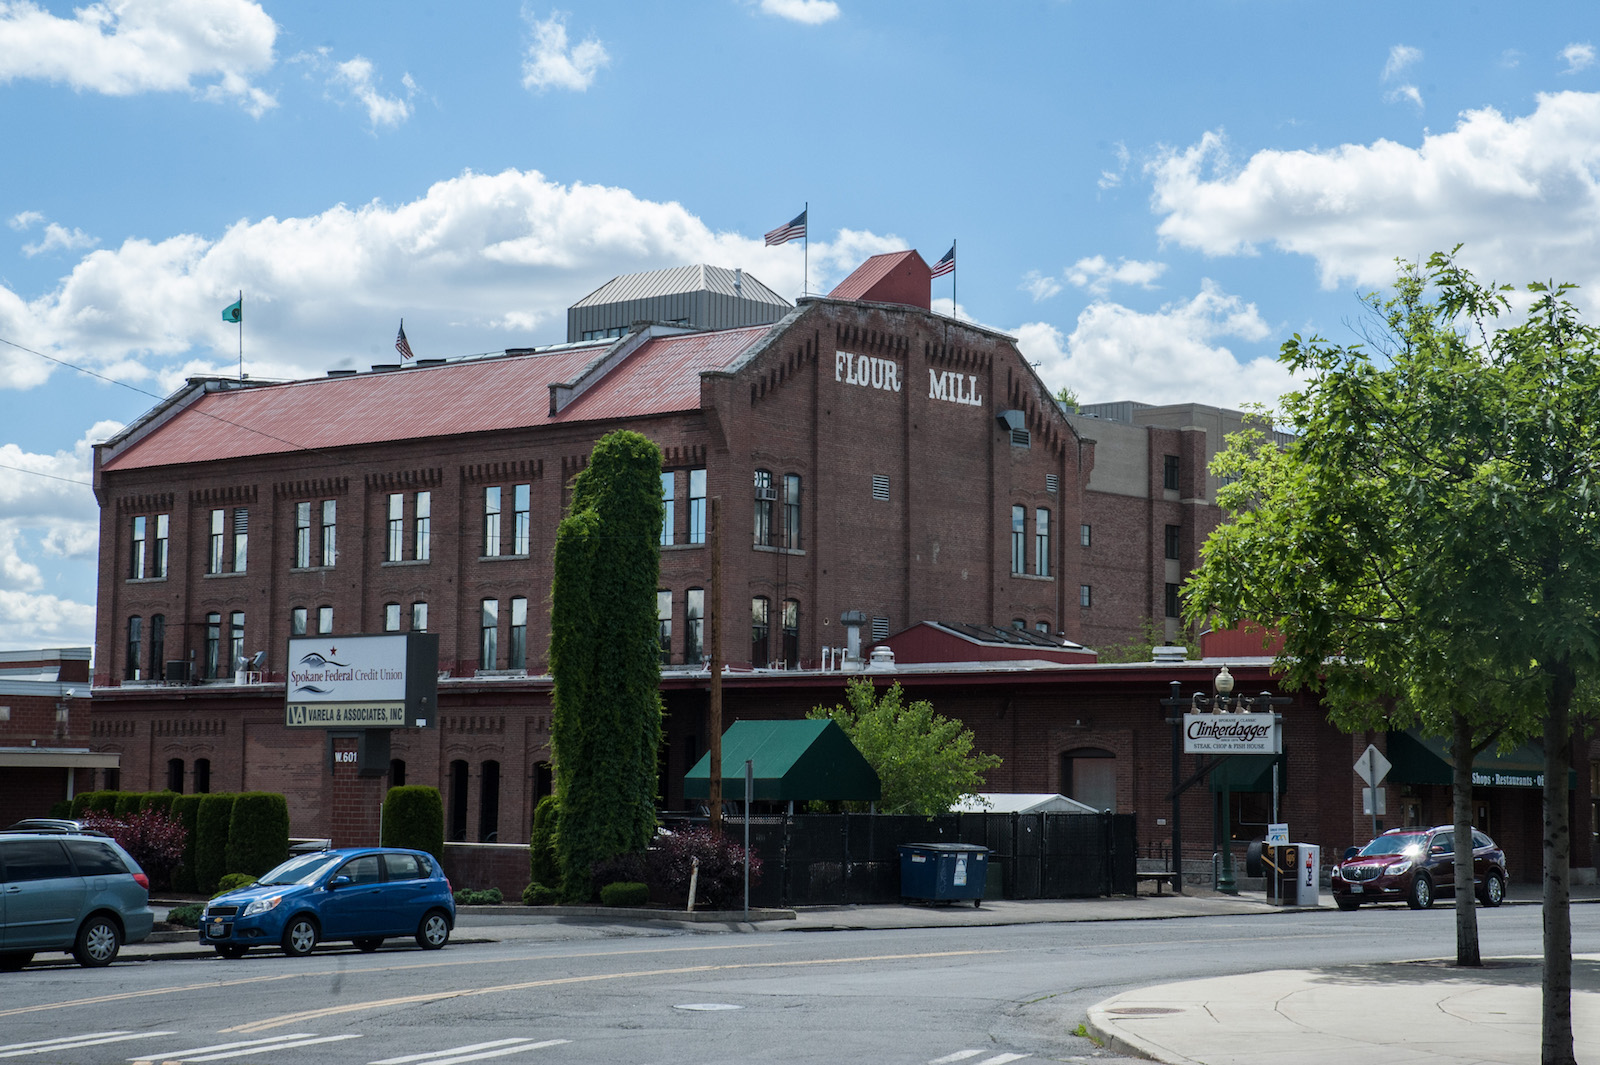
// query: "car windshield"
[[301, 870], [1393, 845]]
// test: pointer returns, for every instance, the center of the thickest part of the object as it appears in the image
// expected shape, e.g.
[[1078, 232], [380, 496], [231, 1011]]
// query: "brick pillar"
[[356, 799]]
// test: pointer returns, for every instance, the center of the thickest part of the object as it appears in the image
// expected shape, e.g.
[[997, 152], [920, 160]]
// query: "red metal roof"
[[465, 397]]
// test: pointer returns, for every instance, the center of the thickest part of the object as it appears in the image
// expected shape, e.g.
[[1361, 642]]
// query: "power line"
[[52, 476]]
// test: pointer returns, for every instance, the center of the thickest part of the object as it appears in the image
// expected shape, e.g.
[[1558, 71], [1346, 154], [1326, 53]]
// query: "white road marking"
[[17, 1050], [452, 1050], [497, 1053], [175, 1055], [277, 1044], [1002, 1059], [960, 1055]]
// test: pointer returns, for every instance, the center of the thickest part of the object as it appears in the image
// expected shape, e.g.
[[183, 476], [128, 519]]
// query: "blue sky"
[[1150, 196]]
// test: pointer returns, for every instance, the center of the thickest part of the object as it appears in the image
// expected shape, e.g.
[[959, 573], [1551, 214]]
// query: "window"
[[664, 624], [214, 560], [394, 546], [791, 633], [1085, 595], [419, 617], [202, 776], [491, 522], [175, 775], [241, 539], [302, 535], [1020, 624], [163, 524], [668, 483], [213, 645], [1083, 535], [158, 647], [694, 609], [489, 643], [391, 617], [424, 519], [136, 551], [297, 621], [236, 639], [1172, 600], [518, 653], [697, 506], [1041, 542], [1172, 541], [521, 535], [766, 496], [94, 858], [880, 629], [1169, 473], [130, 666], [791, 511], [880, 487], [1042, 627], [489, 802], [397, 779], [1019, 562], [1089, 774], [325, 620], [330, 526], [760, 627], [458, 801]]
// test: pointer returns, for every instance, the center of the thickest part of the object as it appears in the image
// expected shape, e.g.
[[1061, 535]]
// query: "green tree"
[[924, 760], [413, 818], [1141, 648], [605, 725], [1066, 395], [1428, 544]]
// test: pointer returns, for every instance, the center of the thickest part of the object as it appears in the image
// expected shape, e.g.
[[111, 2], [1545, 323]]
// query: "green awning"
[[1419, 759], [792, 760]]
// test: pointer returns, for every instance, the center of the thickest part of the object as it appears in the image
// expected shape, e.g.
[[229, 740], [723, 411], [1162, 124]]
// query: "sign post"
[[1372, 767]]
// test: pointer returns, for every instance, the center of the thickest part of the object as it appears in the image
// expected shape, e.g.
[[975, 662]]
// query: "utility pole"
[[714, 609]]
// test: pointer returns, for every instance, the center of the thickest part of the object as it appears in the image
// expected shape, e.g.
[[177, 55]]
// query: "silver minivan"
[[81, 894]]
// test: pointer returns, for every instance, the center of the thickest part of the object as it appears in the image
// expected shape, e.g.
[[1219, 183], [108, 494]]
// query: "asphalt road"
[[574, 993]]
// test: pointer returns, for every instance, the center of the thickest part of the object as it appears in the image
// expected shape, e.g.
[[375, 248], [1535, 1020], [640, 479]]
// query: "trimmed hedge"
[[233, 882], [185, 811], [624, 893], [413, 817], [538, 895], [128, 803], [157, 800], [211, 843], [543, 867], [104, 802], [258, 833], [61, 808]]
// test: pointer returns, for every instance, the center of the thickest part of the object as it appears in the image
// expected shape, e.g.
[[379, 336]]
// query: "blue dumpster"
[[943, 872]]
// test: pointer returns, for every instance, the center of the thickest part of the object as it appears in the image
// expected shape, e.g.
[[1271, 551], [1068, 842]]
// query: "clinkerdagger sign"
[[342, 682], [1232, 734]]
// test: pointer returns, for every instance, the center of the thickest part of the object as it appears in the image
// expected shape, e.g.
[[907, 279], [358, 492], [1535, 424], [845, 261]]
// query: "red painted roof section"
[[1246, 640], [483, 395], [893, 277]]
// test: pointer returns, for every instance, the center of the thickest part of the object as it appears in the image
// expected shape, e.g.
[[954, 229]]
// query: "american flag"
[[793, 230], [945, 265], [401, 344]]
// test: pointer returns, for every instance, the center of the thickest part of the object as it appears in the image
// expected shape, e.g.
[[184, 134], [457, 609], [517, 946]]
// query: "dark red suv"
[[1415, 864]]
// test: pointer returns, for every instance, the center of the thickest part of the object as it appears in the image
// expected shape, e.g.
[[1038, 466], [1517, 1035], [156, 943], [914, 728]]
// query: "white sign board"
[[1232, 734], [1366, 801], [1277, 836], [346, 682], [1372, 766]]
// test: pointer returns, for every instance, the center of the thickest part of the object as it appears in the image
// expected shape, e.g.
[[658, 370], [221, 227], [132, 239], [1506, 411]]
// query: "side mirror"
[[1351, 852], [339, 881]]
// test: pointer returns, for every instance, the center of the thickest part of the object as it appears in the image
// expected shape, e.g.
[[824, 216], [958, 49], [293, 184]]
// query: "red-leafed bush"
[[669, 862], [153, 838]]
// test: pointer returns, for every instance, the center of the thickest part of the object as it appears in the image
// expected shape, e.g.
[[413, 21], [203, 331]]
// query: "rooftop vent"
[[385, 367], [1169, 653], [341, 373]]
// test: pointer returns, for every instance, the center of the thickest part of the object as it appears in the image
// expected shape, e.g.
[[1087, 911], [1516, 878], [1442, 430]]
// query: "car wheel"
[[368, 944], [13, 962], [434, 931], [98, 942], [1346, 903], [299, 936], [1494, 890], [1420, 897], [232, 952]]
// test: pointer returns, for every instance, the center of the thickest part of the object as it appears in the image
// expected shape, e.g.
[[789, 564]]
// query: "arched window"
[[458, 801], [175, 775], [397, 773], [158, 646], [791, 511], [544, 781], [766, 496], [489, 802], [130, 666], [694, 626], [202, 776], [1089, 775], [791, 634], [760, 626]]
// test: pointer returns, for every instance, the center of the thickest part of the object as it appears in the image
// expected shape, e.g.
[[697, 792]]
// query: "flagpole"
[[805, 253], [955, 264], [241, 334]]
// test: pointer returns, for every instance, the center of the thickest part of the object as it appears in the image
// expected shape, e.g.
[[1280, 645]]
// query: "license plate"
[[1356, 889]]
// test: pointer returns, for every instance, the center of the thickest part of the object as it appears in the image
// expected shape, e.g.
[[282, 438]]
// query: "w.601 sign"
[[1232, 734]]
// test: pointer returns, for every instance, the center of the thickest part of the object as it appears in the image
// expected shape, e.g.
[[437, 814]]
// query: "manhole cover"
[[1144, 1011], [707, 1007]]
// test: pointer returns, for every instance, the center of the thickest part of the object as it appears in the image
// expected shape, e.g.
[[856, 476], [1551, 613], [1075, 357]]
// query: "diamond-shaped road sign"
[[1372, 766]]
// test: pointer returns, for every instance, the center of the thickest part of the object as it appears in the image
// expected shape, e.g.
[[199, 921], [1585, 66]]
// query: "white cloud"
[[50, 512], [1097, 275], [62, 238], [1522, 194], [1405, 92], [1110, 179], [1577, 57], [551, 64], [1400, 57], [25, 220], [30, 621], [476, 263], [1169, 356], [1039, 286], [356, 78], [810, 12], [124, 47]]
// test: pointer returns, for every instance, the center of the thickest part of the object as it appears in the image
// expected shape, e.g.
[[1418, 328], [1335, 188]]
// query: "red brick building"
[[44, 731]]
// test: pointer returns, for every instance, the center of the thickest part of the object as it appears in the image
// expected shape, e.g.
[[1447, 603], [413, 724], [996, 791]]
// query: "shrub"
[[617, 869], [153, 839], [158, 800], [624, 893], [233, 882], [187, 915], [94, 802], [721, 882], [542, 864], [185, 809], [539, 895], [211, 842], [258, 833], [470, 897], [128, 803], [413, 817], [60, 808]]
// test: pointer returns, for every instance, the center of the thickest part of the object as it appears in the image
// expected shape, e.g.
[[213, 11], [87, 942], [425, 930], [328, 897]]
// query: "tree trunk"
[[1556, 1017], [1467, 950]]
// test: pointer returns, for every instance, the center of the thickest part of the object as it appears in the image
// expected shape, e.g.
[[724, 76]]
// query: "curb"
[[1128, 1045], [634, 913]]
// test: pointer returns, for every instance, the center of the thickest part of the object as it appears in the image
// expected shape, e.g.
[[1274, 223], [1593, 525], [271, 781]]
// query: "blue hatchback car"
[[361, 894]]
